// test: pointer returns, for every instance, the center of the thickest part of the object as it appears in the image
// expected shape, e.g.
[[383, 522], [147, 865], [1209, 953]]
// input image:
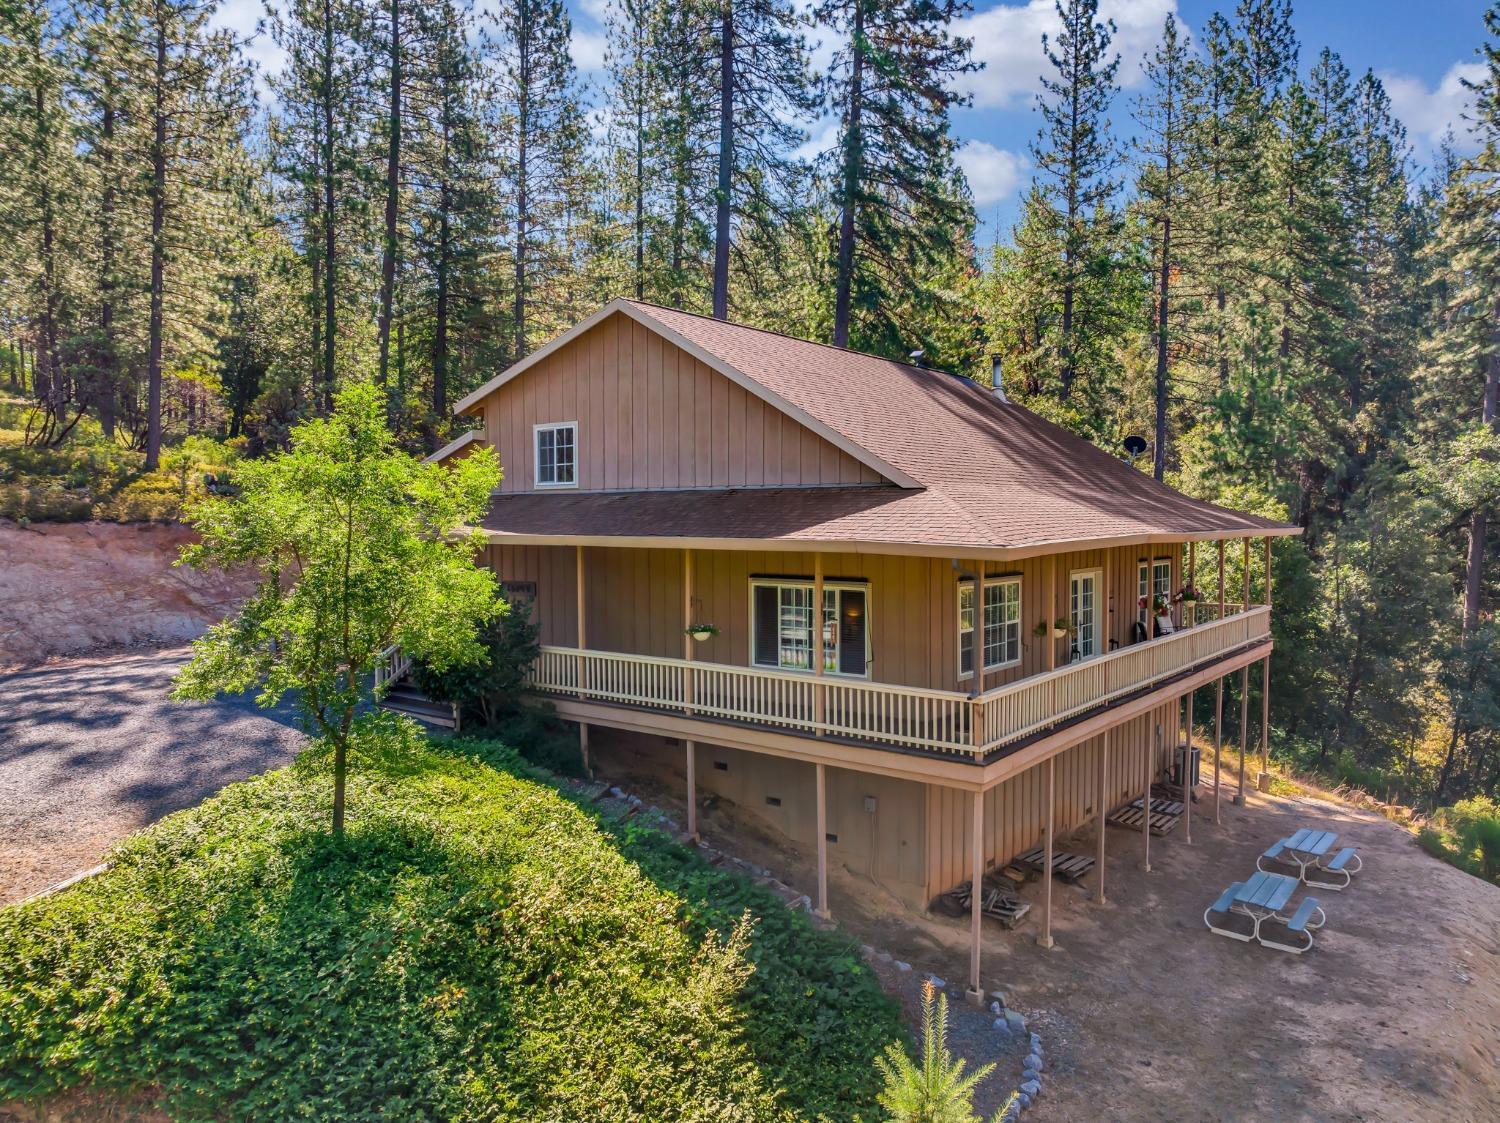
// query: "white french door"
[[1084, 605]]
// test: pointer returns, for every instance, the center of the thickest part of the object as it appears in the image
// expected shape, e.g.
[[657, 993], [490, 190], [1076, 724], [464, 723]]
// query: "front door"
[[1083, 596]]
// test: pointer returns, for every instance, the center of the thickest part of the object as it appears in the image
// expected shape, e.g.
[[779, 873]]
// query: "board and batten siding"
[[1015, 812], [633, 602], [651, 416]]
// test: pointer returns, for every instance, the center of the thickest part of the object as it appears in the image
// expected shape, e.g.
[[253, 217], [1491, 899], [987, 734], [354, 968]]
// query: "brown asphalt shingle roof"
[[992, 474]]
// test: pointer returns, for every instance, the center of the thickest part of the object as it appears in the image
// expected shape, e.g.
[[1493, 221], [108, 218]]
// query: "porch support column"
[[1187, 771], [978, 628], [817, 648], [1219, 701], [1192, 569], [976, 897], [1244, 679], [1146, 799], [1051, 611], [1045, 939], [692, 789], [1101, 808], [583, 642], [687, 622], [1263, 781], [822, 841]]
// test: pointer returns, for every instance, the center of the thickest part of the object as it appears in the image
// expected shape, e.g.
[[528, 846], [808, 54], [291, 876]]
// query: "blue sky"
[[1419, 48]]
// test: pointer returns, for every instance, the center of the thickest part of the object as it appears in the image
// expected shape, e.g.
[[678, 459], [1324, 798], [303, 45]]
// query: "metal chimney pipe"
[[998, 377]]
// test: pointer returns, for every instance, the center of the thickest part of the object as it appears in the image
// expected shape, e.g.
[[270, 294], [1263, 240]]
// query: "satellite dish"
[[1135, 445]]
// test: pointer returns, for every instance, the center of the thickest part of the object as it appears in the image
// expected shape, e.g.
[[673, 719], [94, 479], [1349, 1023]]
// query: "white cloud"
[[243, 17], [993, 173], [1428, 112], [588, 49], [1008, 40]]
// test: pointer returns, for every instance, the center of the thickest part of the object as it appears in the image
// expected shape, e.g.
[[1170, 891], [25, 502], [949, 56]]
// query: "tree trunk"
[[440, 327], [852, 173], [1478, 520], [108, 374], [523, 126], [158, 245], [726, 163], [329, 233], [1159, 460], [392, 191]]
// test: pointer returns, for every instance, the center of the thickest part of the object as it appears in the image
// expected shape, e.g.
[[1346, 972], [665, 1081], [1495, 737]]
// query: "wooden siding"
[[1015, 811], [651, 416]]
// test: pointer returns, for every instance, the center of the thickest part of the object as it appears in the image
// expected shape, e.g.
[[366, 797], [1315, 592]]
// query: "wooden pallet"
[[1130, 816], [1069, 867], [1160, 806], [996, 905]]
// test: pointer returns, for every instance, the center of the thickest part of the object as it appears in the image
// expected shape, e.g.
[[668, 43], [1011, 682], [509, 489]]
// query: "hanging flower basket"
[[701, 632], [1062, 626]]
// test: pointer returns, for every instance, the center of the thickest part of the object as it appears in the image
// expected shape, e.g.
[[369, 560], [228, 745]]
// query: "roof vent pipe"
[[997, 376], [917, 359]]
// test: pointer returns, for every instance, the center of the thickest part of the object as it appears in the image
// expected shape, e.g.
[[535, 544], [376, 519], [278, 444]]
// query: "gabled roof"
[[969, 470]]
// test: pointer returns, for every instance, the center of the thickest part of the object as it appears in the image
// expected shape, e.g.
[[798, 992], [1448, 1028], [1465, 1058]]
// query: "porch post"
[[687, 622], [1101, 809], [822, 841], [1192, 569], [692, 789], [583, 642], [1146, 800], [1187, 772], [1045, 939], [817, 651], [978, 628], [1051, 611], [1264, 780], [976, 897]]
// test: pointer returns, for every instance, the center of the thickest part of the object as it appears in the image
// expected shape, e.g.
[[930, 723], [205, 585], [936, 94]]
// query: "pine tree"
[[902, 210]]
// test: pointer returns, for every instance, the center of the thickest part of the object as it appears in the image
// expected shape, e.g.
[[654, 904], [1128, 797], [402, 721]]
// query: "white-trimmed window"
[[556, 454], [781, 625], [1000, 621], [1153, 579]]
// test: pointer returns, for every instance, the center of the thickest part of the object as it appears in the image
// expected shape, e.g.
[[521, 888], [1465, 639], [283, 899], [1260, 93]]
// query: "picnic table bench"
[[1262, 898], [1070, 867], [1308, 851]]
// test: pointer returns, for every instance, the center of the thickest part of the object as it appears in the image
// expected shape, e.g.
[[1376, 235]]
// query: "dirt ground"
[[1145, 1015], [71, 588]]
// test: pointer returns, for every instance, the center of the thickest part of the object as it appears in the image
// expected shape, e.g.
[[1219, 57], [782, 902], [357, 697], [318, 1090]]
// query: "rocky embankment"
[[76, 588]]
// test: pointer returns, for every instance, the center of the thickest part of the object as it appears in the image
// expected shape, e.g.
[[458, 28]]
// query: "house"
[[874, 556]]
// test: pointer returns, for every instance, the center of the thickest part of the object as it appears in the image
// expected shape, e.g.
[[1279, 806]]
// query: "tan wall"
[[650, 415], [1015, 812], [634, 602]]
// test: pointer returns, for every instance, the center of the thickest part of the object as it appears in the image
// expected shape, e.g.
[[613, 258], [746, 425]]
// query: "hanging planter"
[[1189, 596], [1062, 626], [701, 632]]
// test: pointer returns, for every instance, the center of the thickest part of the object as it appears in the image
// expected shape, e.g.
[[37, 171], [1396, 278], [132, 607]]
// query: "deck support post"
[[692, 789], [1045, 939], [687, 622], [583, 643], [1244, 680], [1146, 801], [1219, 700], [1101, 801], [1263, 781], [583, 749], [822, 784], [976, 898], [1187, 771]]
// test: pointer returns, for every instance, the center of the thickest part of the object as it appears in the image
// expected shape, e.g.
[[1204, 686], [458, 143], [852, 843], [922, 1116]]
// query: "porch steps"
[[404, 698]]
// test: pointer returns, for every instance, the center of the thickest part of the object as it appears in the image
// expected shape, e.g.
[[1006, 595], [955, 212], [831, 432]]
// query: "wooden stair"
[[404, 698]]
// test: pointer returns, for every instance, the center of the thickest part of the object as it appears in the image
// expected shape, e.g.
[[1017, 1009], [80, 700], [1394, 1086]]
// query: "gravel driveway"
[[93, 749]]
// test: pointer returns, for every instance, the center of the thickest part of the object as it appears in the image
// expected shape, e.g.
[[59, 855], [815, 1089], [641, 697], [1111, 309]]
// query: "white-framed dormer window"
[[556, 454], [999, 622]]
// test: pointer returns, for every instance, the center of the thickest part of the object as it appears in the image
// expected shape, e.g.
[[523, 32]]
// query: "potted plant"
[[1159, 605], [1062, 626], [1188, 596], [701, 632]]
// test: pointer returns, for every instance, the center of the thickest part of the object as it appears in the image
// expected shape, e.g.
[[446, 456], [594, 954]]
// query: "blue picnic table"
[[1261, 898], [1308, 851]]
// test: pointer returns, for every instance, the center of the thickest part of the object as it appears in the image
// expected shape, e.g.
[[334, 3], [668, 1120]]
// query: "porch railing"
[[392, 667], [944, 721]]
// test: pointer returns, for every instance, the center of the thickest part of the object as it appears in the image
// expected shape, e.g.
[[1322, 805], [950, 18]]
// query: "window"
[[1083, 598], [556, 453], [1001, 621], [1153, 579], [782, 633]]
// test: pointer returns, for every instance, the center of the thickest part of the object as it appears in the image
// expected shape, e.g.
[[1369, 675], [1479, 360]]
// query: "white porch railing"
[[392, 668], [909, 717]]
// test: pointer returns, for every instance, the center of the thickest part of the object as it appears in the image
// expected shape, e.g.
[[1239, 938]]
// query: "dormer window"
[[556, 454]]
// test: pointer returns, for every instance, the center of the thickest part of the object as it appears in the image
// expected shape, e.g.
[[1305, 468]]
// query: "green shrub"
[[476, 947], [1467, 834], [490, 689]]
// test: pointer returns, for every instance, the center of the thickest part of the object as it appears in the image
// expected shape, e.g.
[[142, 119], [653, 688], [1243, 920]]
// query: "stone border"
[[1008, 1022]]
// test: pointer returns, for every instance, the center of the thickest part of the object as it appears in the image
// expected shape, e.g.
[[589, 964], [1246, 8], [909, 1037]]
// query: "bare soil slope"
[[1394, 1014], [71, 588]]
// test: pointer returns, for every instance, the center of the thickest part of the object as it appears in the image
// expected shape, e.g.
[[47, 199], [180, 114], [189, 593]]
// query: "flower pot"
[[1189, 604], [1058, 633], [700, 634]]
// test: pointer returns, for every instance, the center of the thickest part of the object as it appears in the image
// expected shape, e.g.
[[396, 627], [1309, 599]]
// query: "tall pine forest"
[[1238, 259]]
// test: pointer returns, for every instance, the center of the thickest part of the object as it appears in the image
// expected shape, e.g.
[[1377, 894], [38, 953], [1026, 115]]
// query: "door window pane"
[[966, 628]]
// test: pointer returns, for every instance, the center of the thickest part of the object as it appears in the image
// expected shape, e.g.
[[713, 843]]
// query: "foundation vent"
[[774, 800]]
